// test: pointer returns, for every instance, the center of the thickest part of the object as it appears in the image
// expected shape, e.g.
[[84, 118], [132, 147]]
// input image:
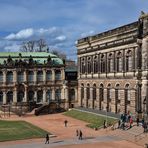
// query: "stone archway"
[[9, 97], [71, 97], [31, 95], [20, 96]]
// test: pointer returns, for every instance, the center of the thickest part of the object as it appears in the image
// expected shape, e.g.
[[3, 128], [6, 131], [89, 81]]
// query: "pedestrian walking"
[[65, 123], [77, 133], [47, 139], [80, 135]]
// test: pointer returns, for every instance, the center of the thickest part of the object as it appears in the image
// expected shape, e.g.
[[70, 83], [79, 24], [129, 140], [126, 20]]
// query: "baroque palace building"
[[113, 69], [39, 77]]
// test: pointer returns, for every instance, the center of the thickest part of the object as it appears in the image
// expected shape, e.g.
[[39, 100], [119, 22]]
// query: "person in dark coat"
[[47, 139], [80, 135], [65, 123], [137, 120]]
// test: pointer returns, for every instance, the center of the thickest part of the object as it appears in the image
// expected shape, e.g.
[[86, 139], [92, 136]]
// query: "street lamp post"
[[106, 116]]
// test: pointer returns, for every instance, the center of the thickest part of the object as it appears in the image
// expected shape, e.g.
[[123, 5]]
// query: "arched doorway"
[[101, 94], [9, 97], [82, 95], [49, 95], [94, 96], [39, 96], [71, 97], [87, 94], [1, 97], [31, 96], [108, 97], [20, 96]]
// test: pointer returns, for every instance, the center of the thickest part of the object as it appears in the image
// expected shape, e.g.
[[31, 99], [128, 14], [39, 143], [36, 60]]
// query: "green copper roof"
[[39, 57]]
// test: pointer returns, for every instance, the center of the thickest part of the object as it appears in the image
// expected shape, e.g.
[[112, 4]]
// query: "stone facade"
[[113, 69], [34, 77]]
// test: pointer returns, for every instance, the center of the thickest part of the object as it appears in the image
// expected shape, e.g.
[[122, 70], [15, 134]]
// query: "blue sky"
[[62, 22]]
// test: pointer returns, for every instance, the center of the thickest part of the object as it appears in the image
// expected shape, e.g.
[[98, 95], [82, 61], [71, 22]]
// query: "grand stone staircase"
[[134, 134]]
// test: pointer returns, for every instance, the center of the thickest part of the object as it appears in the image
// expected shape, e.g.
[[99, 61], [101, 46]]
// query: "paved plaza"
[[65, 137]]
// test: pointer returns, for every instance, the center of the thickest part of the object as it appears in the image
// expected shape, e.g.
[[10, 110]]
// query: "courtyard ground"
[[66, 136]]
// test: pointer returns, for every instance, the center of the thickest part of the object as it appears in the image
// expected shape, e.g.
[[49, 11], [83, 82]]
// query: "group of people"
[[125, 121], [79, 134]]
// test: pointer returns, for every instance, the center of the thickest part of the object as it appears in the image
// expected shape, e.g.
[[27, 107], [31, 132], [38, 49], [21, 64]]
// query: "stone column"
[[122, 100], [44, 96], [76, 95], [4, 77], [65, 90], [15, 76], [35, 95], [63, 74], [25, 76], [44, 76], [53, 75], [15, 96], [25, 95], [53, 93], [4, 97], [85, 97], [112, 100], [91, 97]]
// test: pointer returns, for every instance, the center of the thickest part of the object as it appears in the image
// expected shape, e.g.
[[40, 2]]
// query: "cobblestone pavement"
[[66, 136]]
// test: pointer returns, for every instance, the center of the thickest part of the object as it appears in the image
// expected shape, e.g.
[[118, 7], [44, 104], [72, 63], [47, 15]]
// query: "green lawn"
[[16, 130], [95, 121]]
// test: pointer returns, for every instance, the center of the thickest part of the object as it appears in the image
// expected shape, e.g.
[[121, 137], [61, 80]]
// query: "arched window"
[[58, 74], [40, 76], [30, 76], [119, 66], [95, 65], [9, 77], [88, 92], [20, 96], [109, 92], [1, 77], [110, 63], [9, 97], [83, 65], [117, 94], [58, 95], [128, 61], [49, 75], [101, 92], [1, 97], [102, 63], [94, 92], [31, 96], [49, 95], [20, 76], [89, 66], [39, 96]]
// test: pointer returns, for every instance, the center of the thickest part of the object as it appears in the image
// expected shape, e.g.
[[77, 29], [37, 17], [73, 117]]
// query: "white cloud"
[[23, 34], [61, 38], [12, 48]]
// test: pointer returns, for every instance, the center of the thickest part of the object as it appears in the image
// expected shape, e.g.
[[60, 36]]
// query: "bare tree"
[[34, 46]]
